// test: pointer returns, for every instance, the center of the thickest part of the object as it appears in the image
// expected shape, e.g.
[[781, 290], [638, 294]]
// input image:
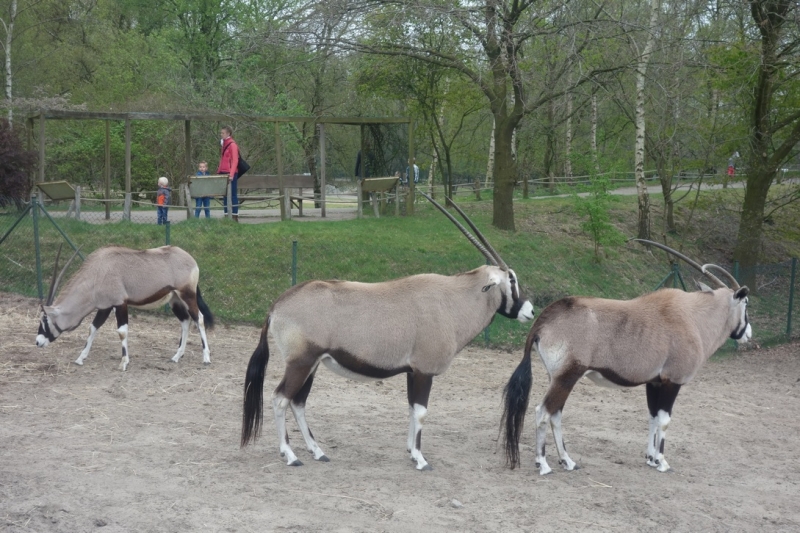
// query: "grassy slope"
[[245, 267]]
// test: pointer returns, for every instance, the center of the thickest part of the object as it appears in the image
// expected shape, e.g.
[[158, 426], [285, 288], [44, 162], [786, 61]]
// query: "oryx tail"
[[515, 405], [254, 389], [208, 318]]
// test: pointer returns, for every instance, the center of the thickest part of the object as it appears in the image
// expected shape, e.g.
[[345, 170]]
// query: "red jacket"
[[229, 158]]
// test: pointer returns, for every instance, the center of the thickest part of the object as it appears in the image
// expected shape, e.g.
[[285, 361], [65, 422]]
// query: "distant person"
[[162, 199], [416, 174], [228, 164], [202, 201], [732, 164]]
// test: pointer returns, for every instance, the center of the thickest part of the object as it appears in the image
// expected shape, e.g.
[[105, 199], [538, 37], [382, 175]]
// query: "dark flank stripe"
[[156, 296], [361, 367]]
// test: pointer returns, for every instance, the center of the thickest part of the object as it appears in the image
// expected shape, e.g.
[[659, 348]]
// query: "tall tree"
[[774, 120]]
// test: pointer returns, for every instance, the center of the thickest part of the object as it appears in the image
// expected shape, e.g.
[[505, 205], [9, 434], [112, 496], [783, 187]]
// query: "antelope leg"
[[99, 320], [563, 458], [121, 312], [180, 311], [298, 406], [418, 393]]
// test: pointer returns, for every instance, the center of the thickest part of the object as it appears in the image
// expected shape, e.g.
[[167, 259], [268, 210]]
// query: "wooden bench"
[[377, 186], [270, 182]]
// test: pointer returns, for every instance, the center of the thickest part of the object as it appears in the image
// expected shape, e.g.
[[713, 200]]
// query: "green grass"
[[244, 267]]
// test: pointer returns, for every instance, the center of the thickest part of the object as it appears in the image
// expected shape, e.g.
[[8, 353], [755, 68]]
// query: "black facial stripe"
[[514, 311], [44, 329], [739, 333]]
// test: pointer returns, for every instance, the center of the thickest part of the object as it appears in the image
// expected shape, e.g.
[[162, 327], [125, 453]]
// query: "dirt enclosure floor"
[[156, 448]]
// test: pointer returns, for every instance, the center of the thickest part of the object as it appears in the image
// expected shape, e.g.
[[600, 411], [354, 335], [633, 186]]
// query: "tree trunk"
[[490, 164], [505, 173], [748, 242], [594, 134], [643, 226], [568, 139], [9, 38]]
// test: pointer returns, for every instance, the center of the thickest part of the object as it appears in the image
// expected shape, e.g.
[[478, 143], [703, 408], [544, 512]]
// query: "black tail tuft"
[[208, 318], [253, 405], [515, 405]]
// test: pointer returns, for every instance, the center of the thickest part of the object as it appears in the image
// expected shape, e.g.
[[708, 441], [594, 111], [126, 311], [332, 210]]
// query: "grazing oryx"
[[660, 339], [118, 278], [414, 325]]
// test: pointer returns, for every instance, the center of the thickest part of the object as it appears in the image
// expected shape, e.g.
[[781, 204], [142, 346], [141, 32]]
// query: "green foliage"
[[594, 208]]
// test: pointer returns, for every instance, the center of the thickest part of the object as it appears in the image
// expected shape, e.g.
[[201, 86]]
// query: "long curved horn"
[[52, 291], [54, 285], [502, 264], [464, 230], [727, 275], [679, 255]]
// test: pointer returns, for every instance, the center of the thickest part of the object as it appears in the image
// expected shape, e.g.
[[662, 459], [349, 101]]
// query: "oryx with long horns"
[[659, 340], [116, 278], [414, 326]]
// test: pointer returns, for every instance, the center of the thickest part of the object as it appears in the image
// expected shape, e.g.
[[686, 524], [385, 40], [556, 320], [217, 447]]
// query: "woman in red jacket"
[[228, 164]]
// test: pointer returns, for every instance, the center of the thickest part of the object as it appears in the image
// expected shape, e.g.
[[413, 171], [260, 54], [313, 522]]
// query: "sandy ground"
[[157, 448]]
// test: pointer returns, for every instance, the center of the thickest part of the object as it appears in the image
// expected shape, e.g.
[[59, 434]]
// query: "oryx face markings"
[[47, 333], [513, 304]]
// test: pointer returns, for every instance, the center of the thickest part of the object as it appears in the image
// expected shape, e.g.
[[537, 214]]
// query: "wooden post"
[[362, 168], [187, 140], [359, 202], [126, 207], [287, 203], [77, 202], [374, 200], [107, 170], [411, 184], [128, 157], [300, 201], [322, 184], [281, 188], [397, 198], [41, 146]]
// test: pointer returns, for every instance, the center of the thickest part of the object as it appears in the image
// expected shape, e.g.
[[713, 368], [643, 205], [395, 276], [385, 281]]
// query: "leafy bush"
[[594, 209], [16, 163]]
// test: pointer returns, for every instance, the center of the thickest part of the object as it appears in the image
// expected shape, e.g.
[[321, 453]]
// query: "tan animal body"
[[117, 278], [413, 326], [659, 340]]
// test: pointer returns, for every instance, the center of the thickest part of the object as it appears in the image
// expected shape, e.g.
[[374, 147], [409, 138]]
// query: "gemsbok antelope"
[[660, 340], [414, 325], [117, 278]]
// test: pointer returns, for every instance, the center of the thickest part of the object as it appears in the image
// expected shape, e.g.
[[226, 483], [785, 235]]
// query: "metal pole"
[[19, 219], [41, 146], [166, 231], [35, 208], [411, 184], [791, 298], [486, 329], [66, 238], [294, 263]]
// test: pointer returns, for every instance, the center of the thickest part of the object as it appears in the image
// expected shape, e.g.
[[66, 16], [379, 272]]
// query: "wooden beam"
[[279, 161]]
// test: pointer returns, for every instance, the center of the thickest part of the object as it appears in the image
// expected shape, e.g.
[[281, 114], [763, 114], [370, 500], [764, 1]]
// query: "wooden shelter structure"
[[43, 115]]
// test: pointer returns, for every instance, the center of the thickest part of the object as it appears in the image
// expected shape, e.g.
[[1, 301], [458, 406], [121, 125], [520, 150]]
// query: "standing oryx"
[[414, 325], [118, 278], [660, 339]]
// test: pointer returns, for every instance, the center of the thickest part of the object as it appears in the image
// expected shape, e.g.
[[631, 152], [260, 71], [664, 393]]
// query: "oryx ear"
[[494, 279], [487, 287], [702, 286], [49, 310], [741, 293]]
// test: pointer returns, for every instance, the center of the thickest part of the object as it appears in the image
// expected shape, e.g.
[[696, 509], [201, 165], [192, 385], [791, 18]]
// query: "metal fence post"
[[294, 263], [486, 329], [35, 209], [791, 299]]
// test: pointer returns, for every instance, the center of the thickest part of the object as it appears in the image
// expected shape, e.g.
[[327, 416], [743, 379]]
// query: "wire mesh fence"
[[244, 269]]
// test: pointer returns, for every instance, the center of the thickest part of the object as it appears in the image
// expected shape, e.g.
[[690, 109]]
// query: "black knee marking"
[[124, 352], [661, 448], [101, 317], [419, 439]]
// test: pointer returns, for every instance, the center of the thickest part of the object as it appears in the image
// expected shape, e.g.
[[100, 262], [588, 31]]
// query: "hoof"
[[324, 459], [79, 363], [425, 468], [296, 462]]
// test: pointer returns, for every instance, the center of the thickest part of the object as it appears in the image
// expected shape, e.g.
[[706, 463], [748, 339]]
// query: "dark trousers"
[[234, 196], [162, 214], [204, 201]]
